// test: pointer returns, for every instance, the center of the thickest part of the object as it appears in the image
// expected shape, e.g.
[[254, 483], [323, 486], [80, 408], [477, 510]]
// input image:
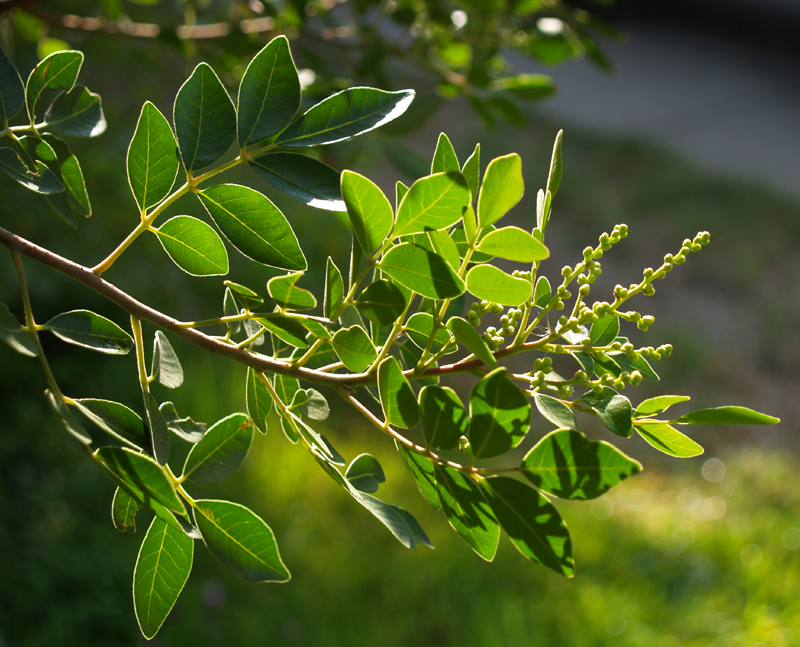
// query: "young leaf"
[[205, 119], [444, 158], [467, 335], [398, 400], [567, 464], [668, 440], [513, 244], [184, 428], [726, 416], [13, 334], [614, 410], [422, 472], [78, 113], [301, 177], [526, 86], [152, 158], [344, 115], [40, 180], [494, 285], [12, 92], [502, 188], [334, 290], [254, 225], [472, 171], [433, 202], [532, 523], [159, 432], [382, 302], [467, 511], [500, 415], [353, 347], [287, 295], [554, 177], [117, 419], [659, 404], [123, 511], [419, 329], [73, 427], [241, 540], [58, 71], [269, 95], [542, 293], [365, 473], [162, 568], [604, 331], [421, 271], [370, 213], [259, 402], [166, 365], [555, 411], [90, 330], [444, 419], [223, 448], [400, 191], [193, 246]]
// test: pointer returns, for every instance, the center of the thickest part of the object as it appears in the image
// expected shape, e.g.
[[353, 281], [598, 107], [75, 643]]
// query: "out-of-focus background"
[[697, 129]]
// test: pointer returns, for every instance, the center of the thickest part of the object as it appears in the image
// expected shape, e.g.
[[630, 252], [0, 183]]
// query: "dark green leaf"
[[59, 71], [248, 298], [389, 516], [605, 330], [78, 113], [444, 419], [369, 210], [302, 178], [90, 330], [382, 302], [72, 426], [185, 428], [344, 115], [334, 290], [254, 225], [398, 400], [433, 202], [421, 271], [259, 401], [162, 568], [117, 419], [659, 404], [205, 119], [193, 246], [287, 295], [614, 410], [413, 525], [152, 158], [555, 411], [123, 511], [567, 464], [513, 244], [12, 92], [494, 285], [353, 347], [444, 158], [241, 540], [285, 329], [726, 416], [166, 365], [14, 334], [532, 523], [500, 415], [71, 176], [423, 474], [668, 440], [586, 362], [159, 432], [465, 333], [40, 180], [365, 473], [223, 448], [502, 188]]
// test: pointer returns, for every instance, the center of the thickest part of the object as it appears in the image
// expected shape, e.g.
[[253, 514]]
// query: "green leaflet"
[[444, 419], [152, 158], [162, 568], [382, 302], [467, 511], [222, 449], [542, 292], [302, 178], [269, 95], [444, 158], [567, 464], [467, 335], [398, 400], [421, 271], [259, 401], [433, 202], [442, 243], [353, 347], [71, 176], [526, 86], [287, 295], [334, 289], [310, 403], [123, 511], [659, 404], [370, 213], [344, 115], [166, 365], [58, 71], [614, 410], [726, 416], [40, 180], [419, 328], [14, 334], [365, 473], [184, 428], [116, 419], [248, 298], [472, 171], [668, 440], [554, 177], [532, 523], [513, 244], [73, 427], [34, 150], [254, 225], [604, 331], [159, 432], [90, 330], [193, 246], [555, 411], [241, 540], [494, 285], [12, 92], [422, 472], [78, 113], [502, 188], [285, 329], [500, 415], [205, 119], [400, 191]]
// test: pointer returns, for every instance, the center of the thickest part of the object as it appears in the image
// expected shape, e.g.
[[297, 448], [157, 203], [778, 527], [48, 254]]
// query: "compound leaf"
[[500, 415]]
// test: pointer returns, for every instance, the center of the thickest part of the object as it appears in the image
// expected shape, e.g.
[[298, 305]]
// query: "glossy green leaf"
[[302, 178], [659, 404], [500, 415], [726, 416], [444, 158], [123, 511], [344, 115], [162, 568], [555, 411], [73, 427], [223, 448], [567, 464], [444, 418], [71, 176], [248, 298], [78, 113], [382, 302], [117, 419], [259, 401], [205, 119], [466, 334], [287, 295], [526, 86], [668, 440], [334, 290], [241, 540], [604, 331], [159, 432], [556, 167], [12, 92], [254, 225], [14, 334], [422, 472], [365, 473], [513, 244], [467, 511], [58, 71], [419, 329], [40, 180], [269, 95], [413, 525], [586, 362], [443, 245], [542, 292], [400, 191], [614, 410], [435, 202], [502, 188], [184, 428], [141, 476], [353, 347], [315, 327], [398, 400], [421, 271], [532, 523], [494, 285], [166, 365], [285, 329], [90, 330], [369, 210], [193, 246], [472, 171], [152, 158], [320, 446]]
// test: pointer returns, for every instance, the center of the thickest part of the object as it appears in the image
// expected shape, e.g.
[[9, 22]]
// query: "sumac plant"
[[412, 310]]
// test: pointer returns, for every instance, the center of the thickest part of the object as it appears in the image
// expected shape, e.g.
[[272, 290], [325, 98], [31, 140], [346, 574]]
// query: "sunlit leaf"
[[354, 348], [467, 335], [555, 411], [223, 448], [513, 244], [502, 188], [419, 329], [492, 284], [287, 295], [382, 302], [614, 410], [422, 472], [152, 158], [726, 416], [58, 71], [370, 213], [259, 401], [659, 404], [444, 158], [436, 201], [398, 400], [301, 177], [116, 419], [421, 271], [90, 330], [123, 511], [365, 473], [500, 415], [444, 418], [668, 440]]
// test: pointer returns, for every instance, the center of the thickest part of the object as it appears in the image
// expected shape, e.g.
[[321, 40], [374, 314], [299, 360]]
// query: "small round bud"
[[566, 271]]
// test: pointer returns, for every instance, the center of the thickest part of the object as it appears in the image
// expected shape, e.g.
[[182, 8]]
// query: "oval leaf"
[[422, 271], [604, 331], [382, 302], [492, 284], [287, 295], [422, 471], [500, 415], [223, 448], [353, 347], [365, 473], [90, 330], [302, 178], [465, 333], [123, 511], [435, 202], [444, 419], [668, 440], [513, 244], [502, 188], [152, 158], [193, 246], [419, 328], [555, 411], [117, 419], [370, 213], [726, 416], [12, 92], [58, 71], [259, 401], [166, 365], [659, 404]]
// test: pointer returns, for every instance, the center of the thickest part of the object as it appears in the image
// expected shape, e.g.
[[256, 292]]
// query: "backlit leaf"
[[513, 244], [382, 302], [71, 176], [421, 271], [58, 71], [334, 289], [259, 401], [419, 329], [159, 432], [248, 298], [365, 473], [398, 400], [166, 365], [604, 331], [492, 284], [90, 330], [614, 410], [542, 292], [223, 448], [422, 471], [302, 178], [73, 427], [78, 113], [467, 335], [502, 188], [726, 416], [659, 404], [152, 158], [444, 419], [184, 428], [554, 177], [116, 419], [370, 213], [287, 295], [354, 348], [13, 333], [555, 411], [500, 415], [285, 329], [193, 246], [39, 179], [123, 511], [472, 171], [436, 201], [444, 158]]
